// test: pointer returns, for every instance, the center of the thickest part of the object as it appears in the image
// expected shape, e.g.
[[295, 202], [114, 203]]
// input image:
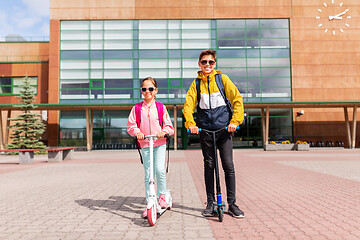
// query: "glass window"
[[118, 24], [196, 44], [95, 64], [174, 34], [252, 23], [116, 54], [96, 83], [118, 44], [74, 64], [152, 44], [152, 24], [73, 74], [117, 73], [74, 45], [274, 33], [96, 74], [5, 81], [120, 34], [156, 73], [74, 35], [196, 34], [275, 53], [233, 53], [5, 90], [118, 63], [231, 23], [153, 63], [96, 44], [232, 43], [275, 72], [118, 83], [96, 25], [274, 23], [196, 24], [74, 25], [174, 24], [13, 85], [190, 63], [153, 34], [231, 33], [74, 85], [81, 54], [153, 54]]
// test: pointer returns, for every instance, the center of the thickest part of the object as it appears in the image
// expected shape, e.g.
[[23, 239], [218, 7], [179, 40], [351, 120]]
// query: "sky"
[[28, 18]]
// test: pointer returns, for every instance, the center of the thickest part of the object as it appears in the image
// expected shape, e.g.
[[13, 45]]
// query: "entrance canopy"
[[264, 106]]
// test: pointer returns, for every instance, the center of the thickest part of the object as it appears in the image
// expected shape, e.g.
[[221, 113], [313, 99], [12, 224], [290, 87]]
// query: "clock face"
[[333, 17]]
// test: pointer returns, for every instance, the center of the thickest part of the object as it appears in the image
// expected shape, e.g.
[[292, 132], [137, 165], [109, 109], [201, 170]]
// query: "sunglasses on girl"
[[150, 89], [204, 62]]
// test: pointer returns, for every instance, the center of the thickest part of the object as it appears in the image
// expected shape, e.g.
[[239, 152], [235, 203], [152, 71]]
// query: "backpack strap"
[[138, 120], [197, 81], [160, 110], [219, 82], [138, 113]]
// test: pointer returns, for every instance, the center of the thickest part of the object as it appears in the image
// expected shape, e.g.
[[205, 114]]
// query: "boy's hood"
[[203, 77]]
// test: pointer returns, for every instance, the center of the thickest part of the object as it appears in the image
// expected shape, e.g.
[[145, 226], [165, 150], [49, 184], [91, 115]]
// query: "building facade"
[[274, 51]]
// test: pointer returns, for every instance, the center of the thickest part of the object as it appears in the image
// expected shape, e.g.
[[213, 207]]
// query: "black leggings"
[[225, 146]]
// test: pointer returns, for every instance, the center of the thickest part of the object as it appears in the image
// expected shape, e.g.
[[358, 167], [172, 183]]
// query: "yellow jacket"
[[210, 101]]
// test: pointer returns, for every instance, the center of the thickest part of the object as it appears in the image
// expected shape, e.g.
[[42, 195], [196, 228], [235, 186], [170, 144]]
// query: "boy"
[[213, 114]]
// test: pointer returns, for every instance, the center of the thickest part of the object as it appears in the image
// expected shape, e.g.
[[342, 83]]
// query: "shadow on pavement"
[[119, 205]]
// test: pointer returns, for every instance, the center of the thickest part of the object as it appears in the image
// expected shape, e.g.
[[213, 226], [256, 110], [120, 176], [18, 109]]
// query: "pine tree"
[[28, 127]]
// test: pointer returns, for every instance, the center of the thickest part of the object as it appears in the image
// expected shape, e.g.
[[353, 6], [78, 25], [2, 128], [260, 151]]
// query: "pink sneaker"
[[162, 202], [145, 213]]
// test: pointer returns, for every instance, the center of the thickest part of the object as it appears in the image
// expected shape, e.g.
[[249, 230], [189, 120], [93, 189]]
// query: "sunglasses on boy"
[[150, 89], [204, 62]]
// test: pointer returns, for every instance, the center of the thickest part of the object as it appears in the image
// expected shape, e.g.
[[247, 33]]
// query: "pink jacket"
[[149, 124]]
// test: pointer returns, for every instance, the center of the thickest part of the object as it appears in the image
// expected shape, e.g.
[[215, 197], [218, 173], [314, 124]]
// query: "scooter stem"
[[218, 189]]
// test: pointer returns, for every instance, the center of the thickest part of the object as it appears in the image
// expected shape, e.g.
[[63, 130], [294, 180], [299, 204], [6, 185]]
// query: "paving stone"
[[100, 195]]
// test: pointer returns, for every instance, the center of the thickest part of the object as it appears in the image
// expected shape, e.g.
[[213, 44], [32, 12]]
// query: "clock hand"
[[334, 17], [338, 15]]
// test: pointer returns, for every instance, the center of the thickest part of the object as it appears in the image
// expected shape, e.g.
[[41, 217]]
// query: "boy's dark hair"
[[153, 80], [208, 52]]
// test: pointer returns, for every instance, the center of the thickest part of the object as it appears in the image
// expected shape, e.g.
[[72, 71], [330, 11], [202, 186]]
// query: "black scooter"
[[220, 206]]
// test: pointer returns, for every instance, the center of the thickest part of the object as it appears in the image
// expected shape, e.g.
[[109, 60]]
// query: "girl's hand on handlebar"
[[231, 127], [161, 134], [194, 129], [140, 136]]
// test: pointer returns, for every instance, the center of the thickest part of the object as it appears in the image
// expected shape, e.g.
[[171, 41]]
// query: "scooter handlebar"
[[153, 136], [226, 128]]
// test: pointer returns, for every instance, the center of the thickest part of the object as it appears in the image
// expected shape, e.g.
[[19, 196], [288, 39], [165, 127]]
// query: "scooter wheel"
[[152, 215], [220, 214]]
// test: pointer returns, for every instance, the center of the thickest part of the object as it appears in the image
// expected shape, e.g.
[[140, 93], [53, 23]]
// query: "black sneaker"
[[209, 210], [235, 211]]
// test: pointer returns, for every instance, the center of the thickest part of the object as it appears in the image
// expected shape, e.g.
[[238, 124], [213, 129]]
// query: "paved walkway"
[[100, 195]]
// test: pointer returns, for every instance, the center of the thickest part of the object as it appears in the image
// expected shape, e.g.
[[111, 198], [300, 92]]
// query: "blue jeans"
[[159, 169]]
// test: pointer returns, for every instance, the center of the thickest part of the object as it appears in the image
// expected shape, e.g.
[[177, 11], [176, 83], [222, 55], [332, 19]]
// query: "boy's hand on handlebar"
[[232, 127], [161, 134], [194, 129], [140, 136]]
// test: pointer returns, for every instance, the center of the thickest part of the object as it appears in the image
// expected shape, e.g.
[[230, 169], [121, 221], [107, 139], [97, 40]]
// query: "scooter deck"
[[162, 211]]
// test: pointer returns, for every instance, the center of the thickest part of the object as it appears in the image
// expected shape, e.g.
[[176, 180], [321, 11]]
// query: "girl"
[[150, 125]]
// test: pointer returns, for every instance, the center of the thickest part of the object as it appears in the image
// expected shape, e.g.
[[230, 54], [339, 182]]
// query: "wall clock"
[[333, 17]]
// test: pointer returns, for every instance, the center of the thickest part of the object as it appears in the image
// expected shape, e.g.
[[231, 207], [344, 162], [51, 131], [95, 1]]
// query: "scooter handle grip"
[[188, 130], [237, 128]]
